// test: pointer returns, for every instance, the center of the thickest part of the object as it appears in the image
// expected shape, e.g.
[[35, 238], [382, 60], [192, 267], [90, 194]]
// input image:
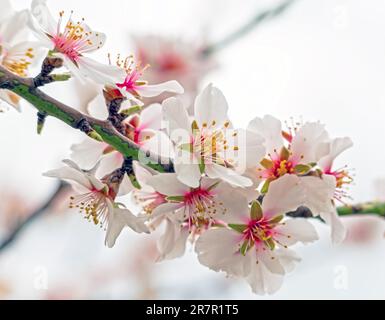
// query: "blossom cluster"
[[231, 193]]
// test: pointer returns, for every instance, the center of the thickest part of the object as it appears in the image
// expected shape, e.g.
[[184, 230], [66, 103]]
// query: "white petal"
[[97, 107], [250, 149], [236, 204], [71, 175], [100, 73], [151, 117], [319, 193], [270, 129], [87, 153], [85, 92], [143, 175], [262, 281], [228, 175], [118, 219], [43, 16], [211, 105], [176, 115], [306, 142], [109, 163], [269, 259], [13, 30], [288, 259], [159, 144], [188, 174], [218, 249], [338, 229], [337, 146], [164, 209], [149, 91], [172, 244], [168, 184], [295, 230], [285, 195], [125, 186]]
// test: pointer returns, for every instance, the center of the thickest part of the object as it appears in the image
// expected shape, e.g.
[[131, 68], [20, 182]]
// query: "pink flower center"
[[282, 167], [258, 231], [131, 84], [198, 198], [67, 46], [93, 205], [149, 200], [342, 177]]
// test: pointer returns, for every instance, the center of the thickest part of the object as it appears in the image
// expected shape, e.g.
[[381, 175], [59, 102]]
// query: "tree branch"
[[248, 27], [48, 106], [26, 89], [32, 217]]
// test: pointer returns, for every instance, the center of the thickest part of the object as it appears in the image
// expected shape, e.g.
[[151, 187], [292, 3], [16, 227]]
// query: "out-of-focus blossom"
[[307, 153], [71, 42], [96, 200], [16, 53], [171, 58], [255, 244], [207, 143], [364, 229]]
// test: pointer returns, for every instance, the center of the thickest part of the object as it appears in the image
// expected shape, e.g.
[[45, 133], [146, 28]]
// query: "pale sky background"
[[322, 60]]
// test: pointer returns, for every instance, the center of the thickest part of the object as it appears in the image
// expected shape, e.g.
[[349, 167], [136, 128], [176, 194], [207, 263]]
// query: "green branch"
[[249, 26], [375, 208], [26, 89]]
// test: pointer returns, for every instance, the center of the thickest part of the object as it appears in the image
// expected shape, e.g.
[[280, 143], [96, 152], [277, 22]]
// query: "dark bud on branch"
[[84, 126], [40, 121], [114, 100], [49, 65]]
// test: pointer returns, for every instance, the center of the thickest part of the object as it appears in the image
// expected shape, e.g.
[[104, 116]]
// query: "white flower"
[[190, 211], [16, 53], [207, 143], [134, 88], [305, 152], [96, 200], [71, 42], [146, 197], [144, 129], [210, 203], [255, 244]]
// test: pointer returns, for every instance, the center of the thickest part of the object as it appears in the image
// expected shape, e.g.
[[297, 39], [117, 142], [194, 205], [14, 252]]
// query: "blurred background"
[[319, 60]]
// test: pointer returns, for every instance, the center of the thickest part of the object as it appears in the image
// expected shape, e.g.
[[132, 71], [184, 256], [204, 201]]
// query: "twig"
[[248, 27], [32, 217], [26, 89]]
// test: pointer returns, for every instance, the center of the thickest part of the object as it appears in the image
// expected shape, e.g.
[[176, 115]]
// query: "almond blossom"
[[307, 153], [255, 244], [134, 88], [190, 211], [146, 196], [16, 53], [207, 143], [95, 199], [144, 129], [71, 41]]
